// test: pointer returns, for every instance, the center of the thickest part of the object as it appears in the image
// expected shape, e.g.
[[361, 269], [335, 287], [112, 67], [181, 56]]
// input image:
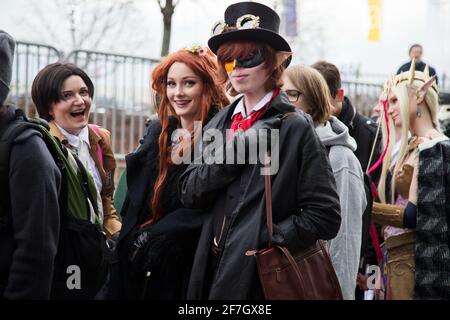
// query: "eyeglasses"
[[247, 21], [293, 95]]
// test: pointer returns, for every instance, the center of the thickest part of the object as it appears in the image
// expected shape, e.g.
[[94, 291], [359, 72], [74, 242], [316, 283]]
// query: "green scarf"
[[77, 202]]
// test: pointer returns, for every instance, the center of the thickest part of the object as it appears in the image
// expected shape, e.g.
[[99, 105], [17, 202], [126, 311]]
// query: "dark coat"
[[420, 66], [28, 246], [174, 237], [305, 204], [363, 130]]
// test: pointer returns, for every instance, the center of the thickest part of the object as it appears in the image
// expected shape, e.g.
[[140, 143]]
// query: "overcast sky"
[[335, 30]]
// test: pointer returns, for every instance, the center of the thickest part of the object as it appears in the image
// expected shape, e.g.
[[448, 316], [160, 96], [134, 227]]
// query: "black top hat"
[[249, 21]]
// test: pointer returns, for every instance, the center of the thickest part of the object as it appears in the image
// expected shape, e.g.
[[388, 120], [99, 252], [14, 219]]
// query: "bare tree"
[[167, 9], [85, 24]]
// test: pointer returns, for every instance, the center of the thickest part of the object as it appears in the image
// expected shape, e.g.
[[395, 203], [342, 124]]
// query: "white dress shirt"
[[80, 144], [240, 107]]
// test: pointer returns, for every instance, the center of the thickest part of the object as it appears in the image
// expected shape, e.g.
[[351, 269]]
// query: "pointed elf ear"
[[422, 91], [281, 57]]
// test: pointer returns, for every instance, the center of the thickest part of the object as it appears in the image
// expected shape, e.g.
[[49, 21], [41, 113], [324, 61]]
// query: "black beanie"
[[6, 60]]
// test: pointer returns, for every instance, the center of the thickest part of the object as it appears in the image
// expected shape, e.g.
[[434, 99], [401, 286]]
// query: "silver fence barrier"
[[364, 96], [353, 74], [122, 100], [28, 60]]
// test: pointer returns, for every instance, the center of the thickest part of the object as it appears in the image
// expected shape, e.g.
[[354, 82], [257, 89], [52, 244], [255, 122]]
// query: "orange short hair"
[[240, 49]]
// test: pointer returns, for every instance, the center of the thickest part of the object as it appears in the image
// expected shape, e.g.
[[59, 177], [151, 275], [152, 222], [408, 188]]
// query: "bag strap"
[[268, 191], [269, 216], [99, 147], [269, 222]]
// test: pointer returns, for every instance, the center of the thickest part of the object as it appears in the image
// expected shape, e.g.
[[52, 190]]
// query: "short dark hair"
[[47, 86], [331, 74], [416, 45]]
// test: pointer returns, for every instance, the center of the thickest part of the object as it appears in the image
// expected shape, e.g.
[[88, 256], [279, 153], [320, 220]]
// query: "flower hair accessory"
[[201, 51]]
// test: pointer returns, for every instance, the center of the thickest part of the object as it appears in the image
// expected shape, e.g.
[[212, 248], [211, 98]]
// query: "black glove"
[[137, 250], [277, 236], [112, 242], [148, 249]]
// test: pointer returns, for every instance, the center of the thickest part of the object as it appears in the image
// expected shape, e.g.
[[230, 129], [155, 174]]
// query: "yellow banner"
[[375, 20]]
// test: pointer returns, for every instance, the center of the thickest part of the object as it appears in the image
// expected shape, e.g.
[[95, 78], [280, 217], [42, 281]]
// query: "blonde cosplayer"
[[405, 86]]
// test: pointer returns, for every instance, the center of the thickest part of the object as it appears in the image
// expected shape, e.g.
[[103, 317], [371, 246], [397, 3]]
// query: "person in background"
[[308, 91], [364, 131], [415, 52], [30, 183], [361, 128]]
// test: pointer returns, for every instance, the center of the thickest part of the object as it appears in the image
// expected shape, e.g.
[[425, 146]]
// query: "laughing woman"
[[63, 94], [159, 235]]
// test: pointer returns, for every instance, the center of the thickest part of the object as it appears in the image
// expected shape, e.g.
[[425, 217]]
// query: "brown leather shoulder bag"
[[302, 275]]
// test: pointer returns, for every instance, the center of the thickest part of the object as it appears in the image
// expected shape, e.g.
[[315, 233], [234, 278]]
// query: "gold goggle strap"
[[218, 28], [247, 21]]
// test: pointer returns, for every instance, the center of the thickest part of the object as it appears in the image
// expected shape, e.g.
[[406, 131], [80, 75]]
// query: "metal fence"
[[29, 59], [122, 100], [364, 96], [353, 74]]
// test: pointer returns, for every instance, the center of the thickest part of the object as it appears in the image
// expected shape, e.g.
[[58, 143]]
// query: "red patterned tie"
[[241, 123]]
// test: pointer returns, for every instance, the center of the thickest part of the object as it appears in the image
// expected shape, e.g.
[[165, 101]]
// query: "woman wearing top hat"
[[252, 57]]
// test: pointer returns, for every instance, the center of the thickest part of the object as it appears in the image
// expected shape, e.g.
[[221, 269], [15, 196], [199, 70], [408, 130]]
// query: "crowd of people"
[[378, 192]]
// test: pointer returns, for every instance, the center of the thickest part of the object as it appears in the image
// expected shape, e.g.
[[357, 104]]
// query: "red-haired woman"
[[158, 238], [251, 56]]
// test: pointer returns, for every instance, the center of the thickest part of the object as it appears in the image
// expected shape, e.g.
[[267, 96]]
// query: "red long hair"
[[204, 65]]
